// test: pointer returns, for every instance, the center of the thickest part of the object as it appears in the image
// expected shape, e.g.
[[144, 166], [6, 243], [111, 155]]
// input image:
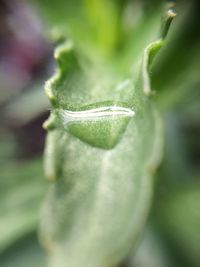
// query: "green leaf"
[[25, 252], [103, 145], [104, 137], [178, 216], [103, 28], [176, 69], [151, 251], [85, 30], [21, 192]]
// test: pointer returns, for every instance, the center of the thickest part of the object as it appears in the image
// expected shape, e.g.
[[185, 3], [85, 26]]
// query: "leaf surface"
[[21, 194], [104, 143]]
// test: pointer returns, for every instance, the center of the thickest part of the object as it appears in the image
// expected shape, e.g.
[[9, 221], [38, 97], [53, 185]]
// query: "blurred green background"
[[29, 31]]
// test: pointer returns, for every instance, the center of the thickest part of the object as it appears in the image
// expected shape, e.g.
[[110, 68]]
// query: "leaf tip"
[[169, 16]]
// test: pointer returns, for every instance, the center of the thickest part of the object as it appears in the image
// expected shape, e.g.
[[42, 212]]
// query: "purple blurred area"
[[25, 58], [23, 49]]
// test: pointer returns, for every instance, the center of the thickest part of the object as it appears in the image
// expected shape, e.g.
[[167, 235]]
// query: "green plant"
[[120, 92]]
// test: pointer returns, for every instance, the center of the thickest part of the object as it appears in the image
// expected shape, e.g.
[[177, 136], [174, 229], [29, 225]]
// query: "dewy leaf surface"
[[103, 145]]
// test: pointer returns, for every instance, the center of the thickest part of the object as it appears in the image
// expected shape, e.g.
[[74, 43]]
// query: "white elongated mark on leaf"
[[96, 114]]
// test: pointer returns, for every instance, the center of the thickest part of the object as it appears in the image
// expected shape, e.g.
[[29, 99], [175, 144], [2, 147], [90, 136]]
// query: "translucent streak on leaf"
[[95, 114]]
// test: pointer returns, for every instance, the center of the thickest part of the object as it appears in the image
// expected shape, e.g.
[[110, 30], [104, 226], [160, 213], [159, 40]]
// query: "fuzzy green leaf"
[[103, 144]]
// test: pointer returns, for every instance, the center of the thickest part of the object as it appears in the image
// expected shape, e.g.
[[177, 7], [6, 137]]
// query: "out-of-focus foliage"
[[173, 238], [23, 252], [21, 190]]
